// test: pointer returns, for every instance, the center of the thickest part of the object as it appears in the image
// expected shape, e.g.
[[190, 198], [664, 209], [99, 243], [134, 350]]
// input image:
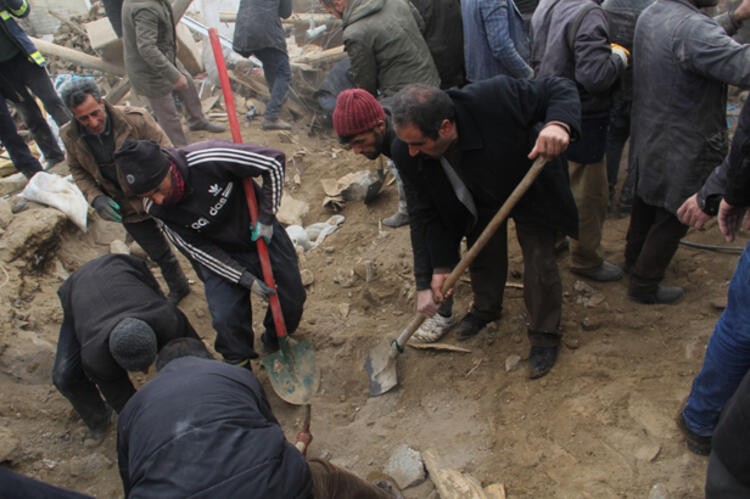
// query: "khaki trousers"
[[588, 182]]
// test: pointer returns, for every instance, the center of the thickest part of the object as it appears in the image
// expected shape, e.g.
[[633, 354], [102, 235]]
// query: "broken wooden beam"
[[76, 56]]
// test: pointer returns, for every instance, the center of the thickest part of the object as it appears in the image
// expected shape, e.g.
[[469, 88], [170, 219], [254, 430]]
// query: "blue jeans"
[[278, 75], [727, 357]]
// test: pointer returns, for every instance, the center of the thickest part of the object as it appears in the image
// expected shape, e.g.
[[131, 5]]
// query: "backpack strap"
[[573, 27]]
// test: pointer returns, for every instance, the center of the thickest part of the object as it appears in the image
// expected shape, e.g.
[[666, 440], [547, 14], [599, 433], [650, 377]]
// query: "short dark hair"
[[181, 347], [75, 92], [422, 106]]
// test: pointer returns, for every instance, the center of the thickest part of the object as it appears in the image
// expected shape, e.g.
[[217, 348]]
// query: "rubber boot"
[[179, 287]]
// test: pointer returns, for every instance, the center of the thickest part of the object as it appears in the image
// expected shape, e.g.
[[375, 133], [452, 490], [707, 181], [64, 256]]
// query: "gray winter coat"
[[682, 62], [258, 25], [583, 55], [150, 46], [387, 50]]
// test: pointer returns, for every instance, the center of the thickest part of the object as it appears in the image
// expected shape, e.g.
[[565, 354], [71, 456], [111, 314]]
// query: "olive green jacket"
[[150, 46], [382, 39]]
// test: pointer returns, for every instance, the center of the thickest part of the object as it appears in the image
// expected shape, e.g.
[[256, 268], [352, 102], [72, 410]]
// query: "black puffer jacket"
[[258, 25], [204, 429]]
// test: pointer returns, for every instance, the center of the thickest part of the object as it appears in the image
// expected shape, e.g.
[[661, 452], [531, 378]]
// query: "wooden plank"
[[76, 56]]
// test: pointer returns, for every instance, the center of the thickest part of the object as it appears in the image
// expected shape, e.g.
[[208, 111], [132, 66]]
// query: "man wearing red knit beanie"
[[363, 124]]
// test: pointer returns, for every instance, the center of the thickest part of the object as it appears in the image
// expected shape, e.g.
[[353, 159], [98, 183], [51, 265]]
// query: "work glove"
[[107, 208], [621, 52], [256, 286], [262, 230]]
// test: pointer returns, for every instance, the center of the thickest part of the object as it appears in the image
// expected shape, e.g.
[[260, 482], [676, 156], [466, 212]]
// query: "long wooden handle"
[[498, 220]]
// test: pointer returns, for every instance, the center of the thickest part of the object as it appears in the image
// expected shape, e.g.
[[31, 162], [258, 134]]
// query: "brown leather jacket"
[[127, 123]]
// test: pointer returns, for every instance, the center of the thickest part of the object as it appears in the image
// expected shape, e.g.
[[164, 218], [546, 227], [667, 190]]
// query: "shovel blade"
[[381, 368], [292, 372]]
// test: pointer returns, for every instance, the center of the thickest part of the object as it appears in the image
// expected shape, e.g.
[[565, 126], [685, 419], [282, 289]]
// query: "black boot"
[[179, 287], [541, 360]]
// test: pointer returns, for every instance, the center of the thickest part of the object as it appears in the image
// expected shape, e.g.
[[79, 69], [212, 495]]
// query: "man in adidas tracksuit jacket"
[[196, 195]]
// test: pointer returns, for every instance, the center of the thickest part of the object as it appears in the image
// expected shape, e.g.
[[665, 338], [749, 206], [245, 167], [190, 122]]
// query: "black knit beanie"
[[132, 343], [143, 164]]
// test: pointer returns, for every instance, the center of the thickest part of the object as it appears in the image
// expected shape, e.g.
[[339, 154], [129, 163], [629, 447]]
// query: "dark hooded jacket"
[[204, 429]]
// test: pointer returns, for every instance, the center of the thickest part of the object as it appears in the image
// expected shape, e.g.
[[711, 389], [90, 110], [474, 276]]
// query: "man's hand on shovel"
[[551, 142], [429, 300]]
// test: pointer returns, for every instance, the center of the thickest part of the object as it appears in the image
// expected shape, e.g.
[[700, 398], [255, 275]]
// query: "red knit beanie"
[[356, 111]]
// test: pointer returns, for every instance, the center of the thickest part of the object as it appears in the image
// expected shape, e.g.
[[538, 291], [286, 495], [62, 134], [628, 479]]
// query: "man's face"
[[162, 192], [336, 8], [91, 114], [419, 143], [369, 144]]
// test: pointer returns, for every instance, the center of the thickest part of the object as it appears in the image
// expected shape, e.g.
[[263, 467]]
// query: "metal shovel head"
[[292, 371], [381, 368]]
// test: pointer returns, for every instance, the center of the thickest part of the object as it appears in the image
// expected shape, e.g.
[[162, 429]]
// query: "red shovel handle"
[[252, 203]]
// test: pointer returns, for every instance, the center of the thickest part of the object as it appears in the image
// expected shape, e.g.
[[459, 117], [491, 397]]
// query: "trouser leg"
[[70, 379], [231, 317], [15, 91], [727, 357], [17, 486], [588, 182], [489, 270], [19, 152], [542, 288], [617, 134], [278, 75], [191, 102], [332, 482], [38, 81], [147, 234], [721, 483], [168, 117], [289, 286], [657, 248], [113, 9]]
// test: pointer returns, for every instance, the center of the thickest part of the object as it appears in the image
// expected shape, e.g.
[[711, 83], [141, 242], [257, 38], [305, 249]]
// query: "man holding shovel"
[[460, 154], [195, 193]]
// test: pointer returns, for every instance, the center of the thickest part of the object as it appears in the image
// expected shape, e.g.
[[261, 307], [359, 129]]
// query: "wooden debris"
[[444, 347], [79, 58]]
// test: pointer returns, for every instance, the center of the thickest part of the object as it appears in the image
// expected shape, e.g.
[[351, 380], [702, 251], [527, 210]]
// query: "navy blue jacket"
[[204, 429], [497, 123], [18, 8]]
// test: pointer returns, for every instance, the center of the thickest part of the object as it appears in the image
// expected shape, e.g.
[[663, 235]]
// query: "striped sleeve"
[[249, 161]]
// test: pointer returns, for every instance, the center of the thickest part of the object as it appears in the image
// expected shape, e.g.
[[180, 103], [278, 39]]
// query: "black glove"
[[255, 285], [107, 208]]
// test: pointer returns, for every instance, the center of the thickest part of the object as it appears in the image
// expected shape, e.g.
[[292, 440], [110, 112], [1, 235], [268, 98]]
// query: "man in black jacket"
[[203, 428], [460, 154], [196, 195], [115, 319]]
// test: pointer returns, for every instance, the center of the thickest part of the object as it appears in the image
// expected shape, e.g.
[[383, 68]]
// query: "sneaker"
[[470, 325], [541, 360], [698, 444], [664, 295], [396, 220], [433, 328], [605, 272], [208, 126], [275, 124]]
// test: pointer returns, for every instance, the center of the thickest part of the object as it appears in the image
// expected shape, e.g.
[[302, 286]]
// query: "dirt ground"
[[601, 424]]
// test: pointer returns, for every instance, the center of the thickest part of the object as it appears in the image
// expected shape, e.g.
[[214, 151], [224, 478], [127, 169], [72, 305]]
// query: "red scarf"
[[178, 186]]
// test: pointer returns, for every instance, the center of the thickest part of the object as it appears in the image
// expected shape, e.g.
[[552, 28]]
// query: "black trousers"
[[721, 484], [229, 303], [17, 149], [22, 80], [148, 235], [652, 240]]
